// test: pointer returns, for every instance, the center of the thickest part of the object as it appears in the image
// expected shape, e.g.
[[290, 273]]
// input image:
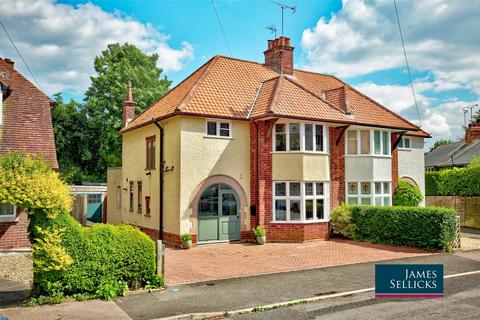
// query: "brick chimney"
[[128, 107], [280, 55], [472, 132], [9, 61]]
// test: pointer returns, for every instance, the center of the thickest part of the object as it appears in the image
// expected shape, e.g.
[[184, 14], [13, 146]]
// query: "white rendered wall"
[[368, 168], [411, 163]]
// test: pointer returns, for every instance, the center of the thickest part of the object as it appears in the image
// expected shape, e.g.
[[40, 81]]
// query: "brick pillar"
[[394, 163], [337, 167], [264, 174]]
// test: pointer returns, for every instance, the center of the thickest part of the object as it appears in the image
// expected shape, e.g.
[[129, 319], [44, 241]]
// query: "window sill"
[[217, 137], [9, 219], [404, 149], [150, 169], [367, 156], [300, 221], [300, 152]]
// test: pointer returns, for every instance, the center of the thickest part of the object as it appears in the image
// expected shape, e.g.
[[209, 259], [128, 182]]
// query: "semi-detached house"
[[239, 144]]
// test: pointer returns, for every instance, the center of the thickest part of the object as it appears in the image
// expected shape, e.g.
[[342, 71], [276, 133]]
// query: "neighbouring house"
[[25, 126], [455, 154], [239, 144], [89, 203]]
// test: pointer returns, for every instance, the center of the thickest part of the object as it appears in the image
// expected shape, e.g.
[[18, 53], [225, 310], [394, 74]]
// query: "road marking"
[[208, 315], [461, 274]]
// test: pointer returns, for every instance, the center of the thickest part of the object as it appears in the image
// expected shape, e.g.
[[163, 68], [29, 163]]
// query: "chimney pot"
[[9, 61], [128, 106], [280, 55]]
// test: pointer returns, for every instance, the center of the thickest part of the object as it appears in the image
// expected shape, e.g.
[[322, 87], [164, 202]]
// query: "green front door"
[[218, 214]]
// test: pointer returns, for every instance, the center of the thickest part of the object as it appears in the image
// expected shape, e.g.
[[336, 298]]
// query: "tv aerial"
[[273, 29], [284, 6]]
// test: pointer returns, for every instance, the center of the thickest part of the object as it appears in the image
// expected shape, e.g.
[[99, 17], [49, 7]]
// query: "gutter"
[[161, 172]]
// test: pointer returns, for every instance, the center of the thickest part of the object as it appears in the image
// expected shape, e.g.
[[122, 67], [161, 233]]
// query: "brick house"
[[25, 126], [239, 144]]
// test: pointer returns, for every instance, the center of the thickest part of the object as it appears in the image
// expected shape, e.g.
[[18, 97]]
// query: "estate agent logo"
[[408, 280]]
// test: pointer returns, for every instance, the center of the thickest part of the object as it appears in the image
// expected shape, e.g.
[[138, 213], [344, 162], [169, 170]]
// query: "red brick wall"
[[394, 164], [275, 231], [337, 167], [14, 235]]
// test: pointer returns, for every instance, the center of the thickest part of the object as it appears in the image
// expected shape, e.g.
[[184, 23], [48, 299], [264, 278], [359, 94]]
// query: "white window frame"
[[325, 197], [9, 217], [401, 143], [1, 106], [217, 134], [302, 137], [372, 143], [372, 194]]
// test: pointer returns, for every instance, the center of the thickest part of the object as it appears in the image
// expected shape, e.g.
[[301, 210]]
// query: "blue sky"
[[356, 40]]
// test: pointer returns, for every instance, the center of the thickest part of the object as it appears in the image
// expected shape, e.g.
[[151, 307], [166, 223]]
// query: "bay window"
[[300, 201], [375, 193], [367, 142], [299, 136]]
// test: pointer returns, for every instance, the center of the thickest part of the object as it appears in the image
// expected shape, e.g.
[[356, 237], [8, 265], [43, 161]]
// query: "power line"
[[221, 28], [406, 62], [18, 51]]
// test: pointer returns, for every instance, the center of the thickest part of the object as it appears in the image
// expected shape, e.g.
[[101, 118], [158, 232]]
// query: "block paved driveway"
[[231, 260]]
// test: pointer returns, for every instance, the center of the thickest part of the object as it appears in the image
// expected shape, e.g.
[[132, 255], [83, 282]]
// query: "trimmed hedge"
[[431, 183], [105, 259], [426, 228], [463, 182]]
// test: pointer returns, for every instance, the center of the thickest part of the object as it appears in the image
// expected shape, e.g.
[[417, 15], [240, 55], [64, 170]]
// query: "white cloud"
[[60, 41], [440, 35]]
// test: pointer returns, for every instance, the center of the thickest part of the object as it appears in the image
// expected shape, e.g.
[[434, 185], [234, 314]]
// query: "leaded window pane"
[[280, 189], [365, 188]]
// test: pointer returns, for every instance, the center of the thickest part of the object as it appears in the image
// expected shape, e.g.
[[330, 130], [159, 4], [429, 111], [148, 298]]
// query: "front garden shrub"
[[341, 219], [70, 260], [428, 228], [407, 195], [105, 259]]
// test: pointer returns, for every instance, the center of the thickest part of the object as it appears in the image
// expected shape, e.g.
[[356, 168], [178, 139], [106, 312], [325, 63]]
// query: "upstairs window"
[[303, 137], [150, 157], [359, 142], [218, 129], [7, 211], [404, 143]]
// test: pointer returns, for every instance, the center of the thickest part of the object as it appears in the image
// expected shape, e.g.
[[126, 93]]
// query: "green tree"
[[440, 142], [72, 139], [117, 65], [476, 117]]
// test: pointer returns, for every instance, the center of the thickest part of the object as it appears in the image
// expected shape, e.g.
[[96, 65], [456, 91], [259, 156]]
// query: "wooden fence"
[[468, 208]]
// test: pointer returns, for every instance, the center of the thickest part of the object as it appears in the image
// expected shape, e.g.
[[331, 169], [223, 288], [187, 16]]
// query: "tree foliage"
[[86, 133], [440, 142], [118, 65]]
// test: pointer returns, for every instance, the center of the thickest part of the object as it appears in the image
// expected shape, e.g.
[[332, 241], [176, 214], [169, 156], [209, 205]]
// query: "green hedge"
[[463, 182], [106, 259], [431, 183], [426, 228], [407, 195]]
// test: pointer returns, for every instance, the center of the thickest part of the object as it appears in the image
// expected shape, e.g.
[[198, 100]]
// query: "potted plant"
[[261, 234], [186, 240]]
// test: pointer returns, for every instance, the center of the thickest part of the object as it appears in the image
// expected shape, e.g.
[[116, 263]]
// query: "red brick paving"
[[230, 260]]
